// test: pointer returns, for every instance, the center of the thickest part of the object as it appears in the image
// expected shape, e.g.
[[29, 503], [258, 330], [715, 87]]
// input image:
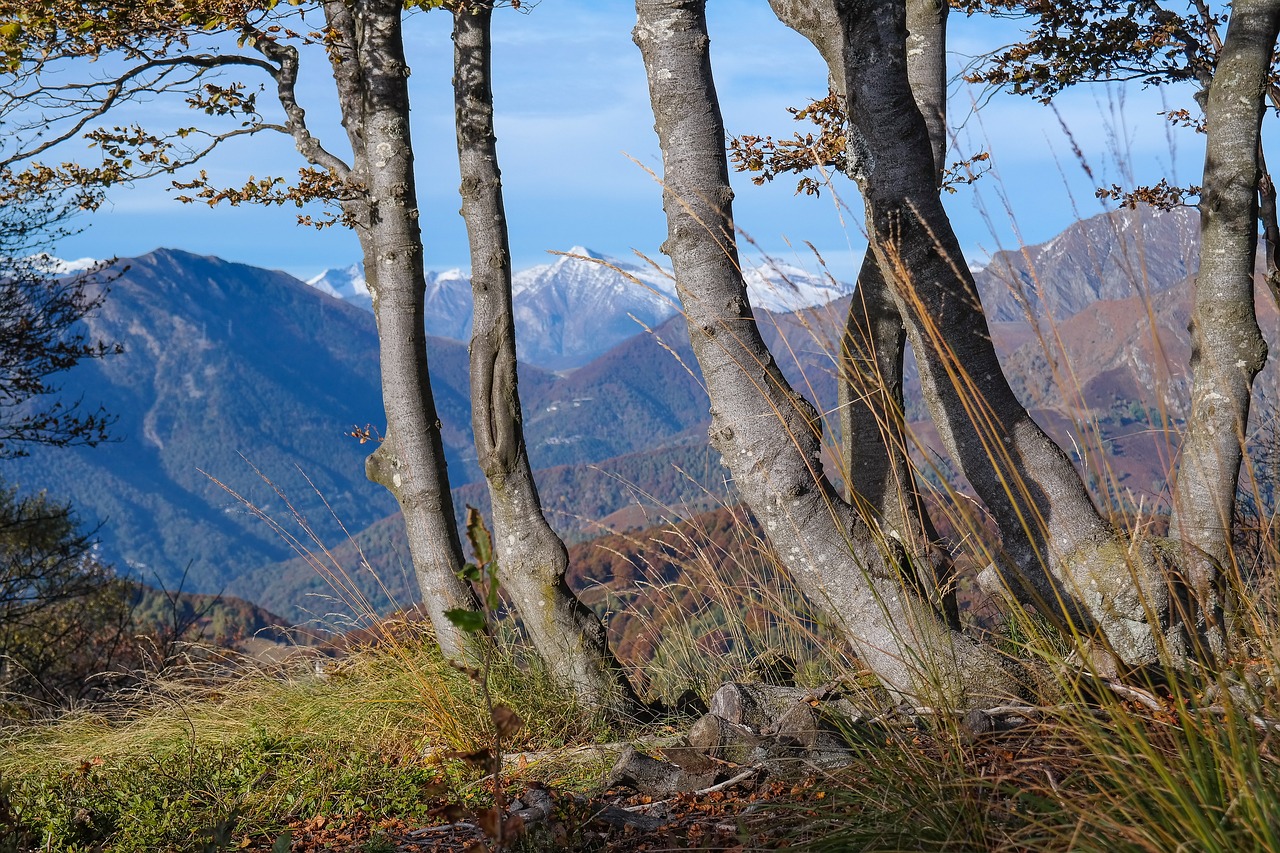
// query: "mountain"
[[781, 288], [50, 265], [347, 284], [448, 297], [371, 568], [577, 307], [567, 312], [227, 368], [1110, 256], [644, 392], [223, 359]]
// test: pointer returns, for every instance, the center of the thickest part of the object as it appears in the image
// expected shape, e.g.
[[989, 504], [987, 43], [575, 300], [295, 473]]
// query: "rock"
[[785, 731], [534, 806], [690, 760], [650, 775], [726, 741], [798, 726], [754, 705]]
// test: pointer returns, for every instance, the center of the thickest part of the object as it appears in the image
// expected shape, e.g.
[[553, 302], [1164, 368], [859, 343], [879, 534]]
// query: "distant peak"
[[583, 251], [50, 265]]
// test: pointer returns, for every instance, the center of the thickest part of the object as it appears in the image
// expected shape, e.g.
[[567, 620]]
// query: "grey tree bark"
[[766, 433], [874, 441], [532, 560], [369, 67], [1058, 553], [1227, 346]]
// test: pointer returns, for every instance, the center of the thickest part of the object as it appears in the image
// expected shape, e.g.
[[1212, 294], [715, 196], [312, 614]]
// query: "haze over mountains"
[[228, 367]]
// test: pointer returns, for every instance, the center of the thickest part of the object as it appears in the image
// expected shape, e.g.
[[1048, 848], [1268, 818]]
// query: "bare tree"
[[1057, 552], [532, 560], [369, 67], [1227, 346], [765, 432], [874, 440], [1071, 43], [1132, 603], [374, 187]]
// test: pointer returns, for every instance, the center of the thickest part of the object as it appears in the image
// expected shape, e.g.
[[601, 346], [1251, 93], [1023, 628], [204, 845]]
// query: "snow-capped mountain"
[[583, 303], [449, 304], [448, 297], [782, 287], [49, 265], [346, 284]]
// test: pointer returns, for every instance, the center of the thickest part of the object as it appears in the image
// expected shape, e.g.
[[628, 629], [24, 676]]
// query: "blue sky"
[[575, 139]]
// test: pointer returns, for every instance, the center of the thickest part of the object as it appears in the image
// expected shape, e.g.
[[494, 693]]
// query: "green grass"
[[374, 738]]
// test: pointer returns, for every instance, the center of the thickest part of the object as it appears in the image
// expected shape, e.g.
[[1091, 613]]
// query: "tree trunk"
[[1227, 349], [766, 433], [874, 441], [531, 558], [1058, 554], [370, 70]]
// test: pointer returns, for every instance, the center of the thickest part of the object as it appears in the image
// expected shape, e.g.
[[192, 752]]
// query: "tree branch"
[[118, 92], [286, 77]]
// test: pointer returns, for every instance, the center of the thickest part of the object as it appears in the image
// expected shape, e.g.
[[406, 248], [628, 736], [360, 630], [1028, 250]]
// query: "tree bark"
[[874, 441], [1058, 554], [532, 560], [927, 71], [1227, 349], [370, 70], [765, 432]]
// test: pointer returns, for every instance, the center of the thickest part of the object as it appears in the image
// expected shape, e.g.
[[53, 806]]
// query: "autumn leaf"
[[490, 822], [506, 721]]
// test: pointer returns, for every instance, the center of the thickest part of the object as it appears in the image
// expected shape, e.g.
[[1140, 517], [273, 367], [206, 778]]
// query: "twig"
[[617, 816], [719, 786], [1262, 724], [1138, 695], [446, 827]]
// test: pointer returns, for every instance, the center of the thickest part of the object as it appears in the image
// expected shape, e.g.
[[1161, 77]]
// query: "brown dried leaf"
[[490, 822], [506, 721]]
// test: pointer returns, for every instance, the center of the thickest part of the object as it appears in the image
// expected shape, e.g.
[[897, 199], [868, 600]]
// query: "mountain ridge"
[[227, 363], [575, 307]]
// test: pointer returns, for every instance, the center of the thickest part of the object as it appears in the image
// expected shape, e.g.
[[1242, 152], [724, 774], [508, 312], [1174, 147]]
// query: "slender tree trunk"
[[927, 71], [765, 432], [874, 438], [532, 560], [370, 70], [1058, 553], [1227, 349]]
